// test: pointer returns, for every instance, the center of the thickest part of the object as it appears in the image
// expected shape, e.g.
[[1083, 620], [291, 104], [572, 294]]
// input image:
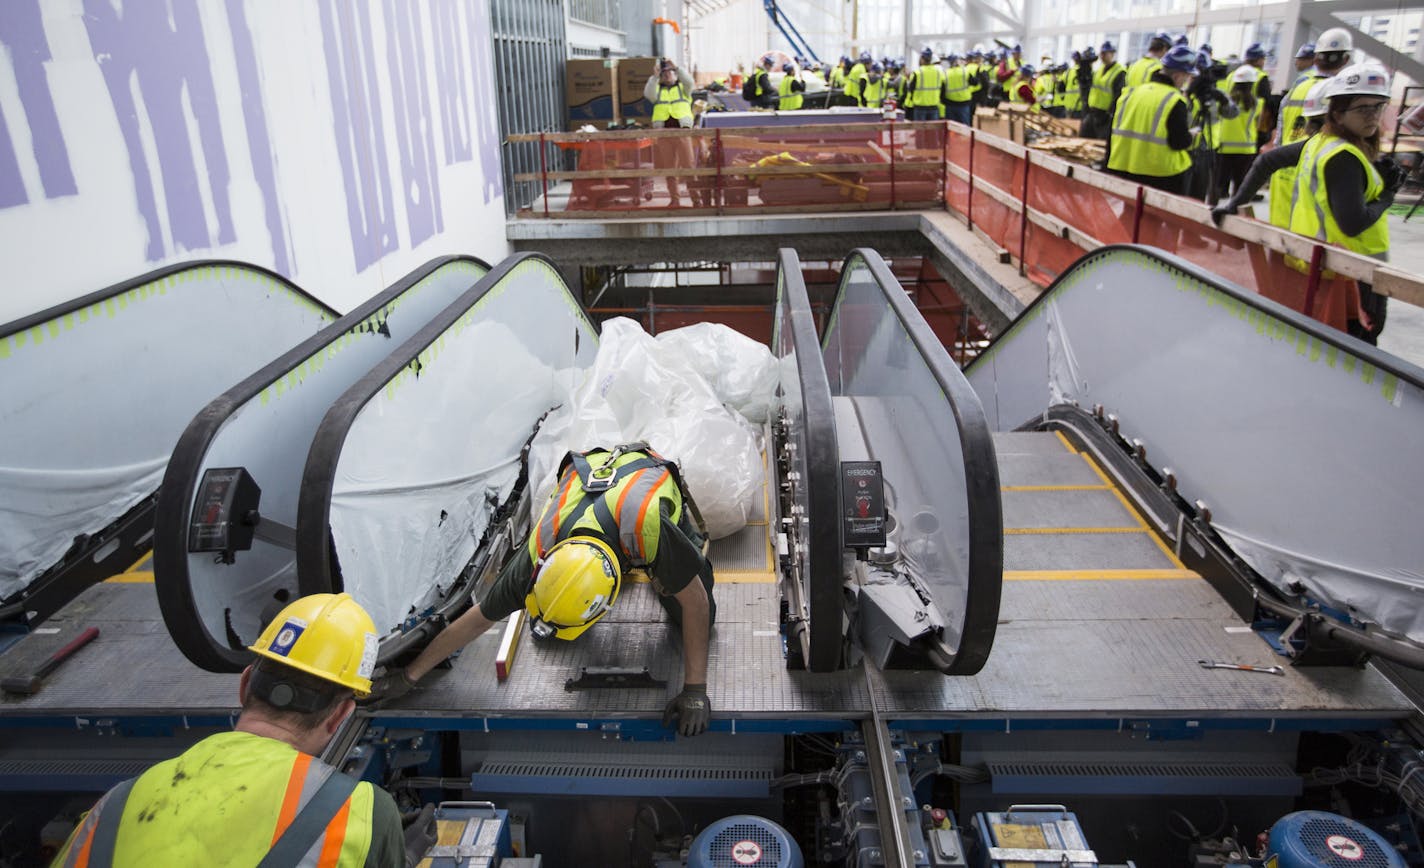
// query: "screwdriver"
[[1244, 667]]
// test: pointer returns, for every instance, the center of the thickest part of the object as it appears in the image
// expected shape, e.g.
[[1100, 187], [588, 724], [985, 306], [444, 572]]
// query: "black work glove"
[[1220, 211], [420, 835], [691, 708], [1391, 173], [387, 688]]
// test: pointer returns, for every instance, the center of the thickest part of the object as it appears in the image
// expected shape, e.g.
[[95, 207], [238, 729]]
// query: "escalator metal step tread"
[[1031, 469], [1084, 551], [1065, 509]]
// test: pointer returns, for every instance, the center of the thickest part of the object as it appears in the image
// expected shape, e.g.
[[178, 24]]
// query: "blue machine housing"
[[1319, 839], [742, 840]]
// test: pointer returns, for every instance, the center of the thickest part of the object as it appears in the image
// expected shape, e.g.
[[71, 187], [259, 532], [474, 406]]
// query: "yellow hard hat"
[[327, 635], [575, 584]]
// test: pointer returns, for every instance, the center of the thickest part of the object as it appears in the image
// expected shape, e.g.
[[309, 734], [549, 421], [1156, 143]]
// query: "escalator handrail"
[[1400, 368], [823, 497], [314, 567], [118, 289], [981, 466], [180, 479]]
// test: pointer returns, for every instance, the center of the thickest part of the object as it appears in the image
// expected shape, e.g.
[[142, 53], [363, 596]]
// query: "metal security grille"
[[745, 844], [529, 50], [604, 13]]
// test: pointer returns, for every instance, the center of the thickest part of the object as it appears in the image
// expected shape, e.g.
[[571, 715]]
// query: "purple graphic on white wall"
[[259, 144], [160, 48], [356, 110], [414, 126], [22, 32], [454, 98], [486, 125]]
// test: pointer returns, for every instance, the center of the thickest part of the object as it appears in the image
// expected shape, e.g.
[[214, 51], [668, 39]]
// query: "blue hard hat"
[[1306, 50], [877, 67], [1018, 49], [1254, 51], [1107, 46], [926, 52], [952, 57], [1027, 69], [1181, 59], [1206, 48], [786, 67], [865, 57], [1163, 37]]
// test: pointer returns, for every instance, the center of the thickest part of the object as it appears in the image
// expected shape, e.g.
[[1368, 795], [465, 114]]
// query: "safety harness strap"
[[106, 831], [310, 824]]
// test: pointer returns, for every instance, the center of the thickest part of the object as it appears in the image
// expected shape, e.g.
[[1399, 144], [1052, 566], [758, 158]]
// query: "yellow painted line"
[[1052, 530], [744, 577], [1054, 487], [137, 578], [145, 562], [1066, 444], [1095, 575], [1132, 510]]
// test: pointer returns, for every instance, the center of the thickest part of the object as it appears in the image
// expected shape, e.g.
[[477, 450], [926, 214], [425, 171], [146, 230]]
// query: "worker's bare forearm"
[[461, 632], [695, 632]]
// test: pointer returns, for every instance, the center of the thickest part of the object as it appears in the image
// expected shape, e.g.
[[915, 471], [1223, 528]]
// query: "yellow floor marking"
[[136, 578], [1054, 487], [1051, 530], [744, 577], [1132, 510], [1066, 444], [1095, 575], [143, 563]]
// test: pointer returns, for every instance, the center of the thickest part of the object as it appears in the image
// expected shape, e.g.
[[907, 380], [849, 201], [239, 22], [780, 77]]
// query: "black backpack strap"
[[106, 827], [310, 823]]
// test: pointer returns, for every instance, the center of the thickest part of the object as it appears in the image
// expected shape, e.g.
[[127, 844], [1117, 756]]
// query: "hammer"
[[28, 686]]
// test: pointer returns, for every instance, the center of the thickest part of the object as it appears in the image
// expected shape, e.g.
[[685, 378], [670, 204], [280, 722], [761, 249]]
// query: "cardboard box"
[[592, 89], [633, 75]]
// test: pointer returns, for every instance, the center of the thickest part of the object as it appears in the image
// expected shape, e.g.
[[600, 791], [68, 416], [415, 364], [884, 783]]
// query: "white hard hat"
[[1334, 39], [1362, 79], [1244, 74], [1316, 100]]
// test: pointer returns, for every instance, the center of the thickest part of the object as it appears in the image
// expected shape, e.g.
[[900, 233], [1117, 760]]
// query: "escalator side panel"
[[409, 466], [920, 418], [214, 608], [97, 391], [811, 444]]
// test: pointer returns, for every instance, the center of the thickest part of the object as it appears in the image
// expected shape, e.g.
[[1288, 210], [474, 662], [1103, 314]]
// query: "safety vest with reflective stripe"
[[673, 104], [790, 100], [1292, 106], [633, 504], [1100, 97], [1139, 134], [854, 79], [929, 82], [1072, 93], [1142, 69], [957, 87], [1238, 135], [226, 801], [1310, 209], [1045, 89]]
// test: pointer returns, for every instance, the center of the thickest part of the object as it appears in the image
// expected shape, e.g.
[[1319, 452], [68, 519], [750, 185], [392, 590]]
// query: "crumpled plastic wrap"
[[691, 394]]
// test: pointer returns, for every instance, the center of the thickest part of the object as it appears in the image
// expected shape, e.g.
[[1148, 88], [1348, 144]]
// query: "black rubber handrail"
[[59, 310], [1402, 369], [820, 451], [981, 468], [315, 573], [180, 479]]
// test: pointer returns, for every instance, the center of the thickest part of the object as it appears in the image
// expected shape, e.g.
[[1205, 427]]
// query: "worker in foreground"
[[610, 511], [1151, 139], [258, 794]]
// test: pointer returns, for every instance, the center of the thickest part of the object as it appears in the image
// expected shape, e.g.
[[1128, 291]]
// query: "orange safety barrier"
[[1042, 211]]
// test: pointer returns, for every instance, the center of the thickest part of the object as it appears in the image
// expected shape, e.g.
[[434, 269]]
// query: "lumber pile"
[[1085, 151]]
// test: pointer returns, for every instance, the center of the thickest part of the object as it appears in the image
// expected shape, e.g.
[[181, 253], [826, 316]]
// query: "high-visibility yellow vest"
[[1101, 96], [854, 79], [1310, 209], [1142, 69], [837, 77], [632, 506], [1292, 105], [1011, 85], [790, 100], [957, 87], [1072, 93], [225, 801], [1238, 135], [872, 92], [971, 71], [1139, 133], [1282, 192], [1044, 89], [928, 83], [673, 104]]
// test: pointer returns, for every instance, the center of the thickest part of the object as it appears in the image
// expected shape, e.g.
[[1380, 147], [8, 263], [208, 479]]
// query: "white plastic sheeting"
[[1307, 454], [690, 393], [92, 401]]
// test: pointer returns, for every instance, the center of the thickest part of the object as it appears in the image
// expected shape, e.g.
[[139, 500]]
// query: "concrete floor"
[[1403, 333]]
